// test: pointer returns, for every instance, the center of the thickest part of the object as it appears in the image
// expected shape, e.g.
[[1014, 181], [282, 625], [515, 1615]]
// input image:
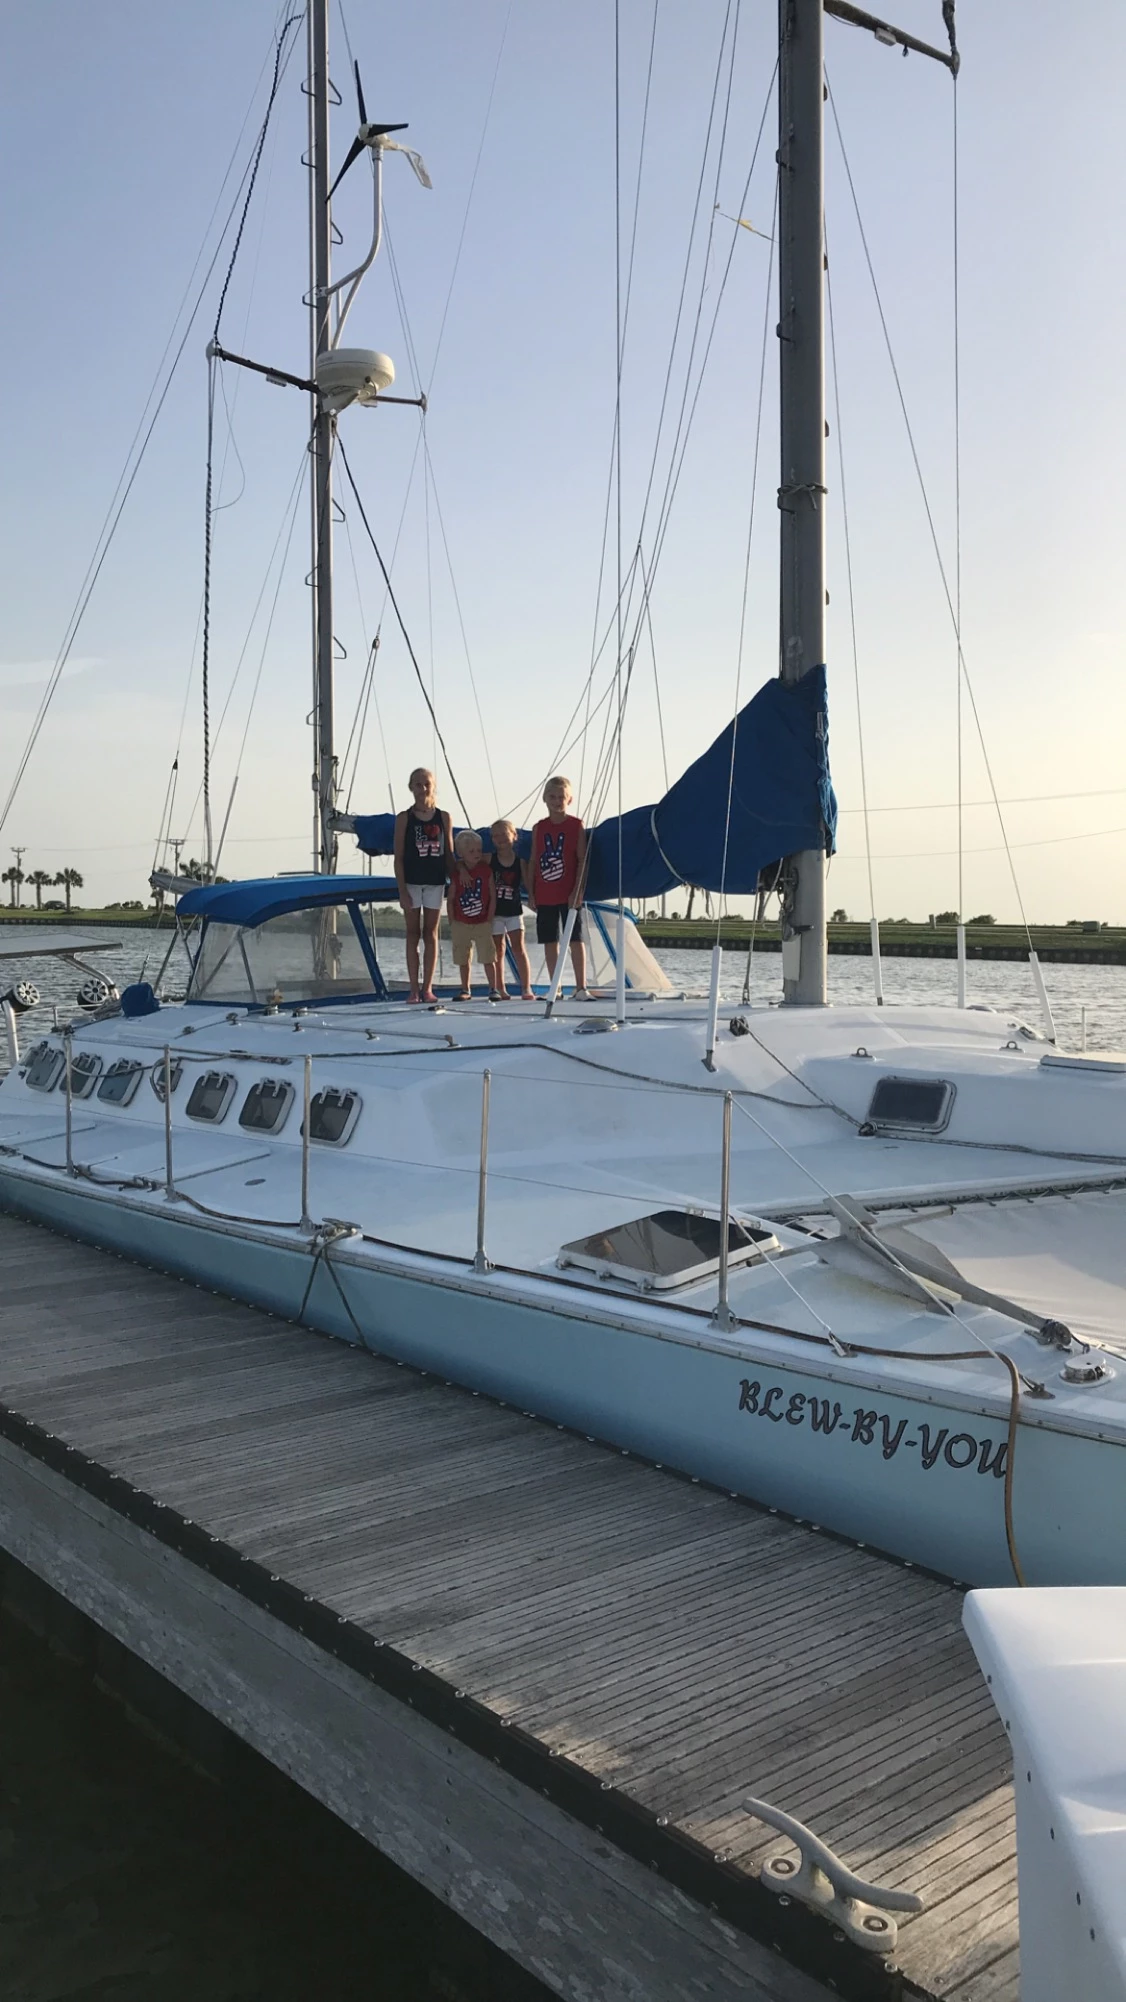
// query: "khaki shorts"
[[463, 939]]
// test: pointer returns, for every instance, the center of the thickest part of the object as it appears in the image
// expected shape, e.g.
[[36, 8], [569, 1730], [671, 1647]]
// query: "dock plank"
[[676, 1642]]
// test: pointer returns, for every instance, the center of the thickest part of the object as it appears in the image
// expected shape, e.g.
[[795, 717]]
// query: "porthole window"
[[156, 1076], [911, 1104], [44, 1067], [332, 1116], [85, 1070], [266, 1105], [210, 1096], [120, 1082]]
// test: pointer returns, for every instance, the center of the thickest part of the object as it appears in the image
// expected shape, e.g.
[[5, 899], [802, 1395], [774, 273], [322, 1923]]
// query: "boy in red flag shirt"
[[554, 879]]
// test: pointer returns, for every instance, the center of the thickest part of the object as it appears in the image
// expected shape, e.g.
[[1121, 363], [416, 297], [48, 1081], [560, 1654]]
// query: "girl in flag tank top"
[[471, 904], [508, 920], [423, 853], [554, 879]]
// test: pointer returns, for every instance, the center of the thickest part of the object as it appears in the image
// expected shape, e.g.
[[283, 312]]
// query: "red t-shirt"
[[555, 859], [469, 894]]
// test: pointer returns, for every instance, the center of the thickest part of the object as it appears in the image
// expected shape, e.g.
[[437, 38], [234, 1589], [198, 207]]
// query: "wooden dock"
[[539, 1674]]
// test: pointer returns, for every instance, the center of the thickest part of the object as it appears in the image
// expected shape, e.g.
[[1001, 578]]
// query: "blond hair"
[[559, 780], [504, 828], [460, 839]]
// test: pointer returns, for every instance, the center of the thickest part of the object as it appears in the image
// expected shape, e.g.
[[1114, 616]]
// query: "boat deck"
[[638, 1648]]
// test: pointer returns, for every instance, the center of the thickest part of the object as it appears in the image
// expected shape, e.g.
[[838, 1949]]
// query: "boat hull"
[[918, 1478]]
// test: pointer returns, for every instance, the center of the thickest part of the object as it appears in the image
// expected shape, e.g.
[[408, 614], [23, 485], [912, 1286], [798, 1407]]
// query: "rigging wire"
[[134, 459], [402, 627], [671, 488], [957, 488], [851, 592], [720, 911], [950, 604], [629, 289], [360, 717], [619, 340], [280, 51]]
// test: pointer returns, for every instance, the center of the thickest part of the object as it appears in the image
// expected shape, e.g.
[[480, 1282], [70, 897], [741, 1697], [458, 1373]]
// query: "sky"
[[117, 127]]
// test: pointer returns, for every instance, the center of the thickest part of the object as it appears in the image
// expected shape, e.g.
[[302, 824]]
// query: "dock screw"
[[874, 1923], [783, 1865]]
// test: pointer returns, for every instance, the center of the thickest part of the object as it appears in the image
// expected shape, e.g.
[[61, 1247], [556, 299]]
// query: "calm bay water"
[[126, 1874], [1002, 984]]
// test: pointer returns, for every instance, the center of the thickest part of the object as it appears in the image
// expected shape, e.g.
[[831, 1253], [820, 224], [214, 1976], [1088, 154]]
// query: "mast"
[[801, 493], [323, 421]]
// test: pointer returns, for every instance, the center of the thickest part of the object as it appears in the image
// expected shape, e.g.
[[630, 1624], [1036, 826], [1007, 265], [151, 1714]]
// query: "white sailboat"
[[857, 1264]]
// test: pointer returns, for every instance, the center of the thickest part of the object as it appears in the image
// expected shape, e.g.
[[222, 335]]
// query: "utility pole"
[[320, 234], [19, 854], [801, 493]]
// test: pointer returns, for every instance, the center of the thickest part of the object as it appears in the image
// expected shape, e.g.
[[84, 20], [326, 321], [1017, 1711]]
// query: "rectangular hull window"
[[211, 1096], [156, 1076], [266, 1105], [120, 1082], [332, 1115], [44, 1067], [85, 1070]]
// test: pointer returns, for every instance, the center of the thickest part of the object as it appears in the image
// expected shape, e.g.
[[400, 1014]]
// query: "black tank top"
[[424, 849], [508, 886]]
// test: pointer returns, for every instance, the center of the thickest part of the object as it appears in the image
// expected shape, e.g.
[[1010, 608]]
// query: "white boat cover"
[[1064, 1256], [1055, 1660]]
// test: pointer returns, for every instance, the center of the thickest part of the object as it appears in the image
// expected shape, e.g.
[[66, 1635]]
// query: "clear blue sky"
[[117, 124]]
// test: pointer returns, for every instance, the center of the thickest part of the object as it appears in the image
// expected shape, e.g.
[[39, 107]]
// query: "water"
[[127, 1873], [1002, 984]]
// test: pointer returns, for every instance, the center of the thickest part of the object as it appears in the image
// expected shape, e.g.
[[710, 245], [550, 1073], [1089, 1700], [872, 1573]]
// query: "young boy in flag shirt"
[[554, 877]]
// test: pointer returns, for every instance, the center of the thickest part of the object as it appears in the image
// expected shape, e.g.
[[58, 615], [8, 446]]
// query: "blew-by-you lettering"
[[935, 1445]]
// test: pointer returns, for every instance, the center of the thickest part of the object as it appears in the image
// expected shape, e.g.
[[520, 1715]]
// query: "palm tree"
[[13, 876], [40, 881], [68, 880]]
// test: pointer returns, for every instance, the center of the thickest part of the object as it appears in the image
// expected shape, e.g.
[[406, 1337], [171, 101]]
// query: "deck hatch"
[[332, 1115], [211, 1096], [266, 1106], [667, 1248], [120, 1081], [911, 1104]]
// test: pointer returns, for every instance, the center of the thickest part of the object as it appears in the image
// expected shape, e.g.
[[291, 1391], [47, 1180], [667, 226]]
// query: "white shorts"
[[426, 896], [514, 926]]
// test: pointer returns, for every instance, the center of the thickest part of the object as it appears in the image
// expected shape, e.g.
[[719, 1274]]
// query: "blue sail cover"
[[782, 802]]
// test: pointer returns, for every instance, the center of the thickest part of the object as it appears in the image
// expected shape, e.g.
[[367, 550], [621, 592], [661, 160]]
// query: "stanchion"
[[68, 1038], [480, 1262], [723, 1317], [713, 1005], [169, 1184], [306, 1219], [564, 949], [877, 963]]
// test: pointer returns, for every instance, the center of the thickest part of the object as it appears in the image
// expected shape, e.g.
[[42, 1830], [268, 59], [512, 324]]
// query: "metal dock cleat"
[[820, 1880]]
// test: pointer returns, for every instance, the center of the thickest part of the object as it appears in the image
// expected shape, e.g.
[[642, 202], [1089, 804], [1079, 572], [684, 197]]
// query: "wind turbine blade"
[[360, 95], [353, 154]]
